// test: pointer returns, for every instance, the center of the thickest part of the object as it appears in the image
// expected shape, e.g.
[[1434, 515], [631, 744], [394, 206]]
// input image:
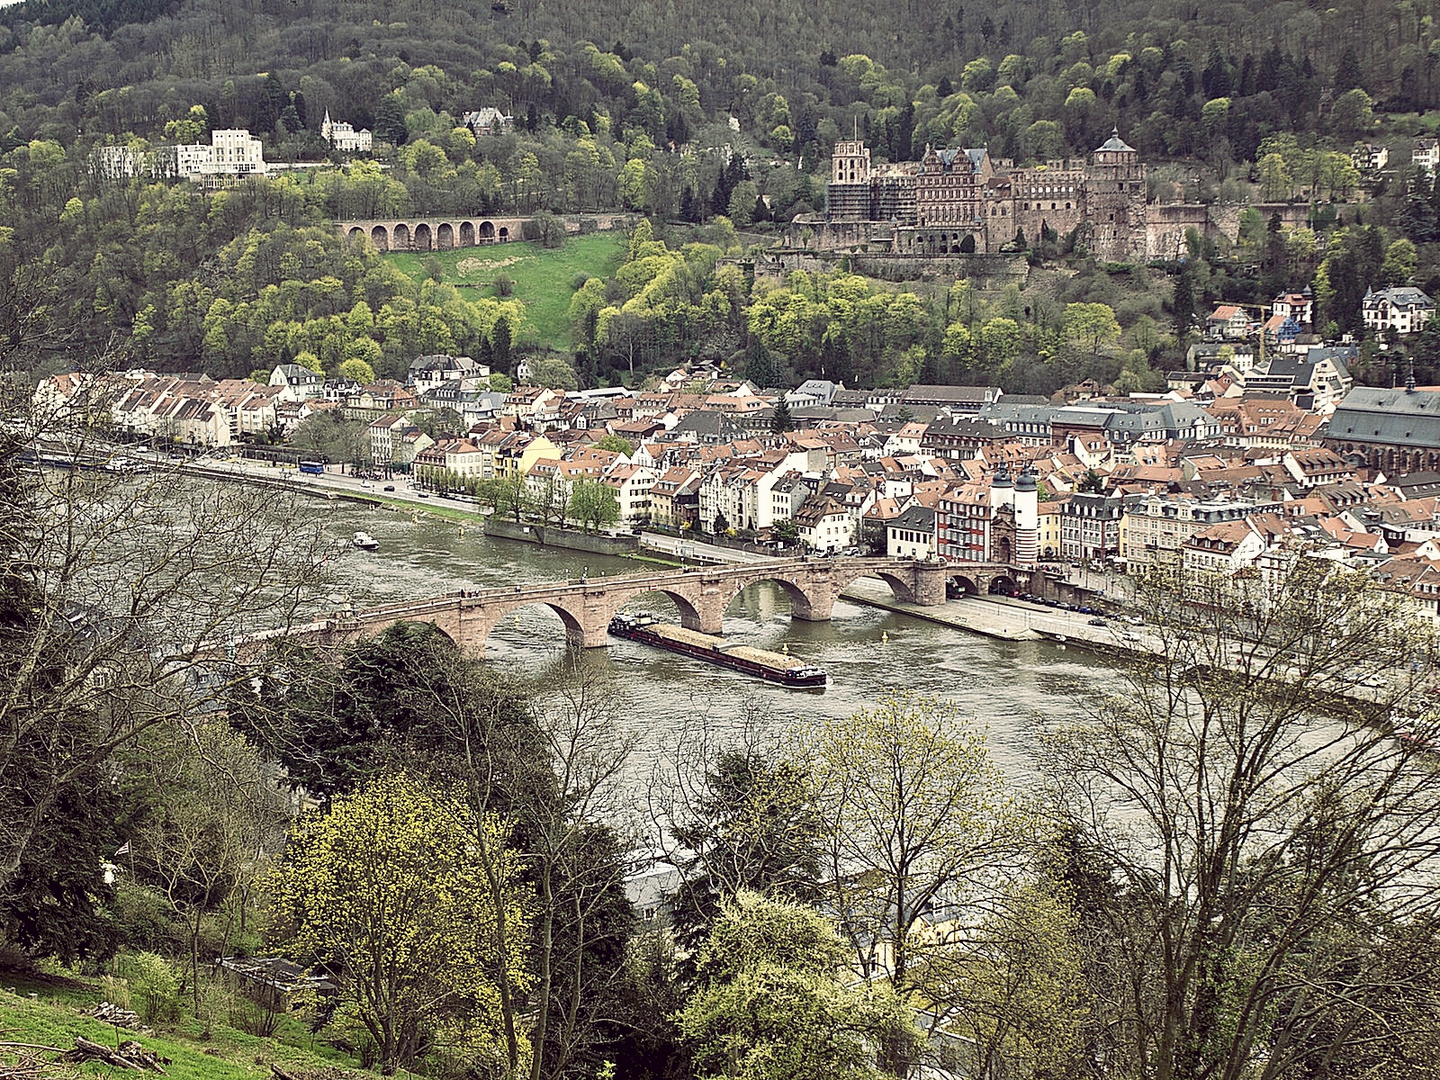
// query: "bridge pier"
[[930, 583], [817, 608]]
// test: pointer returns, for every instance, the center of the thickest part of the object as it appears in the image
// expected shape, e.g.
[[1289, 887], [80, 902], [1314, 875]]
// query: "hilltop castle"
[[959, 201]]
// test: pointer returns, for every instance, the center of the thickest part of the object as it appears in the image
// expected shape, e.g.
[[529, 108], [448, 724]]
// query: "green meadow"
[[197, 1051], [543, 277]]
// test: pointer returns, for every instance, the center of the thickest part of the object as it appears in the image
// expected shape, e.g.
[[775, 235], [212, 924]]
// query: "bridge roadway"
[[586, 605]]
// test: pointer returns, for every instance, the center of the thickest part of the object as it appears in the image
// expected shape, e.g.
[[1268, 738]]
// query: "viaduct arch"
[[450, 231], [433, 234]]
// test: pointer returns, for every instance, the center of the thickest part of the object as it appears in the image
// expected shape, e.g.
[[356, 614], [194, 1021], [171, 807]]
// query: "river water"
[[1005, 686]]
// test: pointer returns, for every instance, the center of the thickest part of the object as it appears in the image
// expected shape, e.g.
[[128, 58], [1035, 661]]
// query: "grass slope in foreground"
[[55, 1015], [543, 277]]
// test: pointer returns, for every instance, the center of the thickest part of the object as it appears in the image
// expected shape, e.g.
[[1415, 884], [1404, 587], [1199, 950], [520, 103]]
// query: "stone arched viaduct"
[[448, 232], [587, 606], [433, 234]]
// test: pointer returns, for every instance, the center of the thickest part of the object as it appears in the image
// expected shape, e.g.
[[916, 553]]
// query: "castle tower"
[[1027, 519], [850, 163], [1115, 201], [847, 195]]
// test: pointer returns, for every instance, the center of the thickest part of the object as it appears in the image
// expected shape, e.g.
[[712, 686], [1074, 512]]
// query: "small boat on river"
[[365, 542], [762, 664]]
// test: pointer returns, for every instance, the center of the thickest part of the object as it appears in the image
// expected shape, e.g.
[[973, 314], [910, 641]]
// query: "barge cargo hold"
[[772, 667]]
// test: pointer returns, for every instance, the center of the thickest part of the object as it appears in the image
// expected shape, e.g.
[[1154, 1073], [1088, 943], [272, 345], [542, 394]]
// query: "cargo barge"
[[772, 667]]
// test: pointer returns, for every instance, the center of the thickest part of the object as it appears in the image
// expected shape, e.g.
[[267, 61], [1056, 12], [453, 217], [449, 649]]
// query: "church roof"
[[1389, 416]]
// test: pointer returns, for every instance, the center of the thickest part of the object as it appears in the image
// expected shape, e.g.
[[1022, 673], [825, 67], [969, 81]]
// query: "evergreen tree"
[[1348, 73], [1182, 305], [783, 420], [390, 120], [1215, 80]]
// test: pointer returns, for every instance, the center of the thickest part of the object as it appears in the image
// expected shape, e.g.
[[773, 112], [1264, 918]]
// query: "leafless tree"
[[122, 596], [551, 759], [1257, 822]]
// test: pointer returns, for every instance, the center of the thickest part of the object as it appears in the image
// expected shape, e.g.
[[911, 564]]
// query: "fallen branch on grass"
[[131, 1055]]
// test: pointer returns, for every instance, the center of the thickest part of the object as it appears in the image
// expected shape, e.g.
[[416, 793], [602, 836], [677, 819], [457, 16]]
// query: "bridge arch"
[[355, 233], [899, 587], [467, 234], [968, 585], [445, 236], [380, 237], [487, 232], [802, 601], [1003, 585], [402, 236], [690, 616], [423, 235], [573, 623]]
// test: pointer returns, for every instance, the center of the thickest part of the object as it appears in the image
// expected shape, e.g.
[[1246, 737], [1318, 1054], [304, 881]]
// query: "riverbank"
[[998, 623]]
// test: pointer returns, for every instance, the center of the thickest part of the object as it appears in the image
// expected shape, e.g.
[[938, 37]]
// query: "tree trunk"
[[547, 937]]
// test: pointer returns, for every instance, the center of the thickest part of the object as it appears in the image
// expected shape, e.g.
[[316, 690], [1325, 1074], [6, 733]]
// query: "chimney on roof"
[[1410, 379]]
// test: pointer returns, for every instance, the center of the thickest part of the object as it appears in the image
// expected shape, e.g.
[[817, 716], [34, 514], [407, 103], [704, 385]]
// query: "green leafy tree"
[[357, 370], [915, 816], [618, 443], [553, 372], [774, 1002], [593, 504], [1352, 113], [212, 812], [1015, 989], [1091, 325], [385, 893]]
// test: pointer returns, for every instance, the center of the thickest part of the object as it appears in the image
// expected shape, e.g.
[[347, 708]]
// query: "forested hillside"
[[931, 72], [635, 107]]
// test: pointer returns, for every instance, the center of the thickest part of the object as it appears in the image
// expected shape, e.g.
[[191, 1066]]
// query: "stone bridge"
[[447, 232], [433, 234], [586, 606]]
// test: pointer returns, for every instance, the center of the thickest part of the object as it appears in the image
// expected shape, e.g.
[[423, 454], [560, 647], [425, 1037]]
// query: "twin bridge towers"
[[586, 606]]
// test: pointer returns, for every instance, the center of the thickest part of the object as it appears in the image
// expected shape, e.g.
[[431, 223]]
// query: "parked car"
[[389, 487], [1097, 621], [1085, 609]]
